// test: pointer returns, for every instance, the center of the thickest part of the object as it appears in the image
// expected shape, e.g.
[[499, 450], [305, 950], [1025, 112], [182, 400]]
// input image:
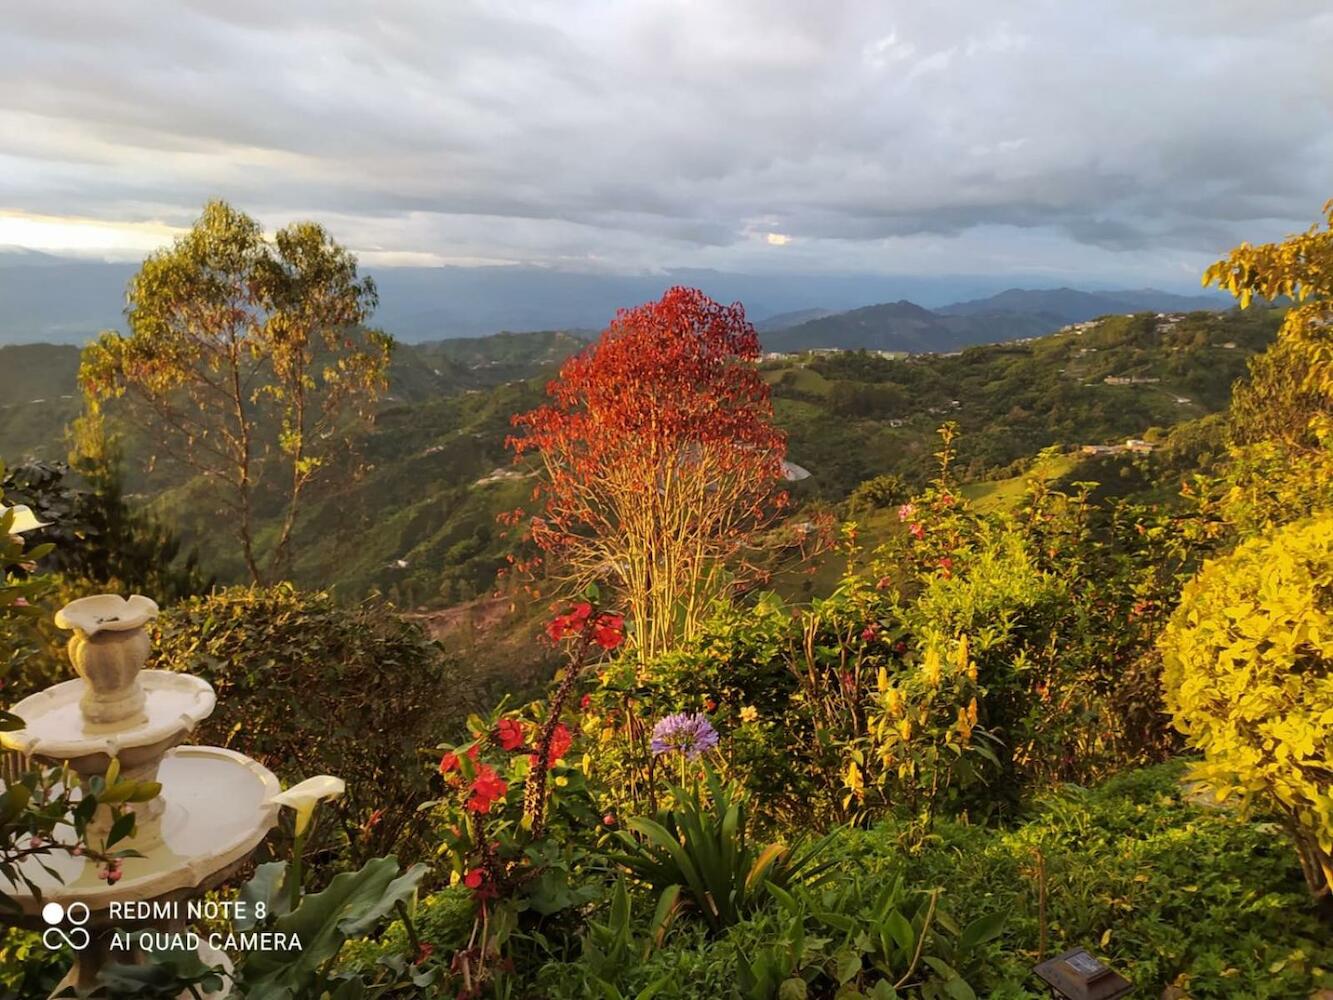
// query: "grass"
[[1004, 494]]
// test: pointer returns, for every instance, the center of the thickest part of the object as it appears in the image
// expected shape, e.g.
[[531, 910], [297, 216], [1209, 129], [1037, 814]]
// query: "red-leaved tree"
[[661, 461]]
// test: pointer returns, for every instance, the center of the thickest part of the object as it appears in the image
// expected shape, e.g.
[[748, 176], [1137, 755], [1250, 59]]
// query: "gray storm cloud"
[[1119, 137]]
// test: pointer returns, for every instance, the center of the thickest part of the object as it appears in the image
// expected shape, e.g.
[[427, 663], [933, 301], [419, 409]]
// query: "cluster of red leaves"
[[665, 381], [603, 628]]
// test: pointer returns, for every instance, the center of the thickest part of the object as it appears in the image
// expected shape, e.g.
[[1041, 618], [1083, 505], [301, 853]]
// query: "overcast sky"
[[1123, 141]]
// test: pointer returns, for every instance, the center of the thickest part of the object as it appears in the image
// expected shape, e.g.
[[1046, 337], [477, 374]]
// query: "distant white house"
[[1136, 445]]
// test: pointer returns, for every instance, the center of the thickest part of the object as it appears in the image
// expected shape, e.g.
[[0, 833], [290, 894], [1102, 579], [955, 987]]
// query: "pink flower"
[[905, 512]]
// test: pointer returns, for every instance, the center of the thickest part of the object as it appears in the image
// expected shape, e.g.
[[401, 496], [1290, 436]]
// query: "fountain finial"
[[108, 649]]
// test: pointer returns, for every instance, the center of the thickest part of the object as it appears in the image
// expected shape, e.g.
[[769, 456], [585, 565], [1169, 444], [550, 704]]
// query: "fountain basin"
[[218, 807], [56, 729]]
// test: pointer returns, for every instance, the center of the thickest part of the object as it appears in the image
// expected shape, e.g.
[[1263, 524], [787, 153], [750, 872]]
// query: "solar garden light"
[[1076, 975]]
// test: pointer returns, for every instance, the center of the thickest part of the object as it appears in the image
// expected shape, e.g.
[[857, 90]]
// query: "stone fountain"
[[215, 807]]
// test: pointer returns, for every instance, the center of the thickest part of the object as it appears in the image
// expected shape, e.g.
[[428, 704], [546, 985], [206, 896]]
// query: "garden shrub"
[[1247, 676], [968, 659], [1167, 891], [442, 921], [308, 687]]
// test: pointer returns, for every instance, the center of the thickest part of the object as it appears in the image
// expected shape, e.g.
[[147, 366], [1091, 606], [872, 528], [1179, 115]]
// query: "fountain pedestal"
[[215, 807]]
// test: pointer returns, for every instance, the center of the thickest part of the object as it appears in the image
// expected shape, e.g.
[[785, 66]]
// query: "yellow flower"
[[931, 667], [893, 702], [749, 714]]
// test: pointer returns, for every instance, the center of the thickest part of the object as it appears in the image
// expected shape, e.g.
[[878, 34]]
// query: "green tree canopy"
[[246, 358]]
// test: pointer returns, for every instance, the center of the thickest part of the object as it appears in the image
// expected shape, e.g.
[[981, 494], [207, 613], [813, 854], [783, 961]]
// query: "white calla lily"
[[305, 796], [24, 519]]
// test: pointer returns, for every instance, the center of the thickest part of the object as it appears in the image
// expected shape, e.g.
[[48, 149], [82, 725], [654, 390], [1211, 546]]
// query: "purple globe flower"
[[687, 733]]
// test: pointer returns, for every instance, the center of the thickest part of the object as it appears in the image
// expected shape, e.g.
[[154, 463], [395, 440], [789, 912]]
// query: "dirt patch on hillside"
[[485, 614]]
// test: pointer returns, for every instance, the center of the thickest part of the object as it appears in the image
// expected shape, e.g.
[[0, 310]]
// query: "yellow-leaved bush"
[[1248, 672]]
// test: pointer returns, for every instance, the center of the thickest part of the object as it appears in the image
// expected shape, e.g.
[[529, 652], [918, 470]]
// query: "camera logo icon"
[[55, 936]]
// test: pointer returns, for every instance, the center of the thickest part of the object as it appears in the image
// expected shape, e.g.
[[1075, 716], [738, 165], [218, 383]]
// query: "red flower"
[[869, 633], [917, 531], [557, 627], [883, 583], [449, 762], [585, 701], [485, 789], [606, 630], [609, 819], [566, 626], [900, 647], [509, 734], [561, 740], [609, 632], [475, 878]]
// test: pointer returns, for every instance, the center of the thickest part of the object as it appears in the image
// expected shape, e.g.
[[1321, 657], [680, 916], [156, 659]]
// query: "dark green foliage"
[[879, 493], [100, 537], [310, 688]]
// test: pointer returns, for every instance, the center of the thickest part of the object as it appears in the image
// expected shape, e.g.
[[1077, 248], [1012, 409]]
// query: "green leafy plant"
[[883, 938], [613, 945], [700, 849]]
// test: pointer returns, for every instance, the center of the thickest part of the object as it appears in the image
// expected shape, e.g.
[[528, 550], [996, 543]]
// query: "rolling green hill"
[[850, 416], [38, 397], [415, 515]]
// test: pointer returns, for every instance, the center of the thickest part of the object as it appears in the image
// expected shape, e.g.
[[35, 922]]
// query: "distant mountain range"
[[46, 298], [1010, 315]]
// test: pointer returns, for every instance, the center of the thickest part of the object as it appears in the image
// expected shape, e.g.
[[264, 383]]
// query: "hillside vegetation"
[[414, 515], [851, 416]]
